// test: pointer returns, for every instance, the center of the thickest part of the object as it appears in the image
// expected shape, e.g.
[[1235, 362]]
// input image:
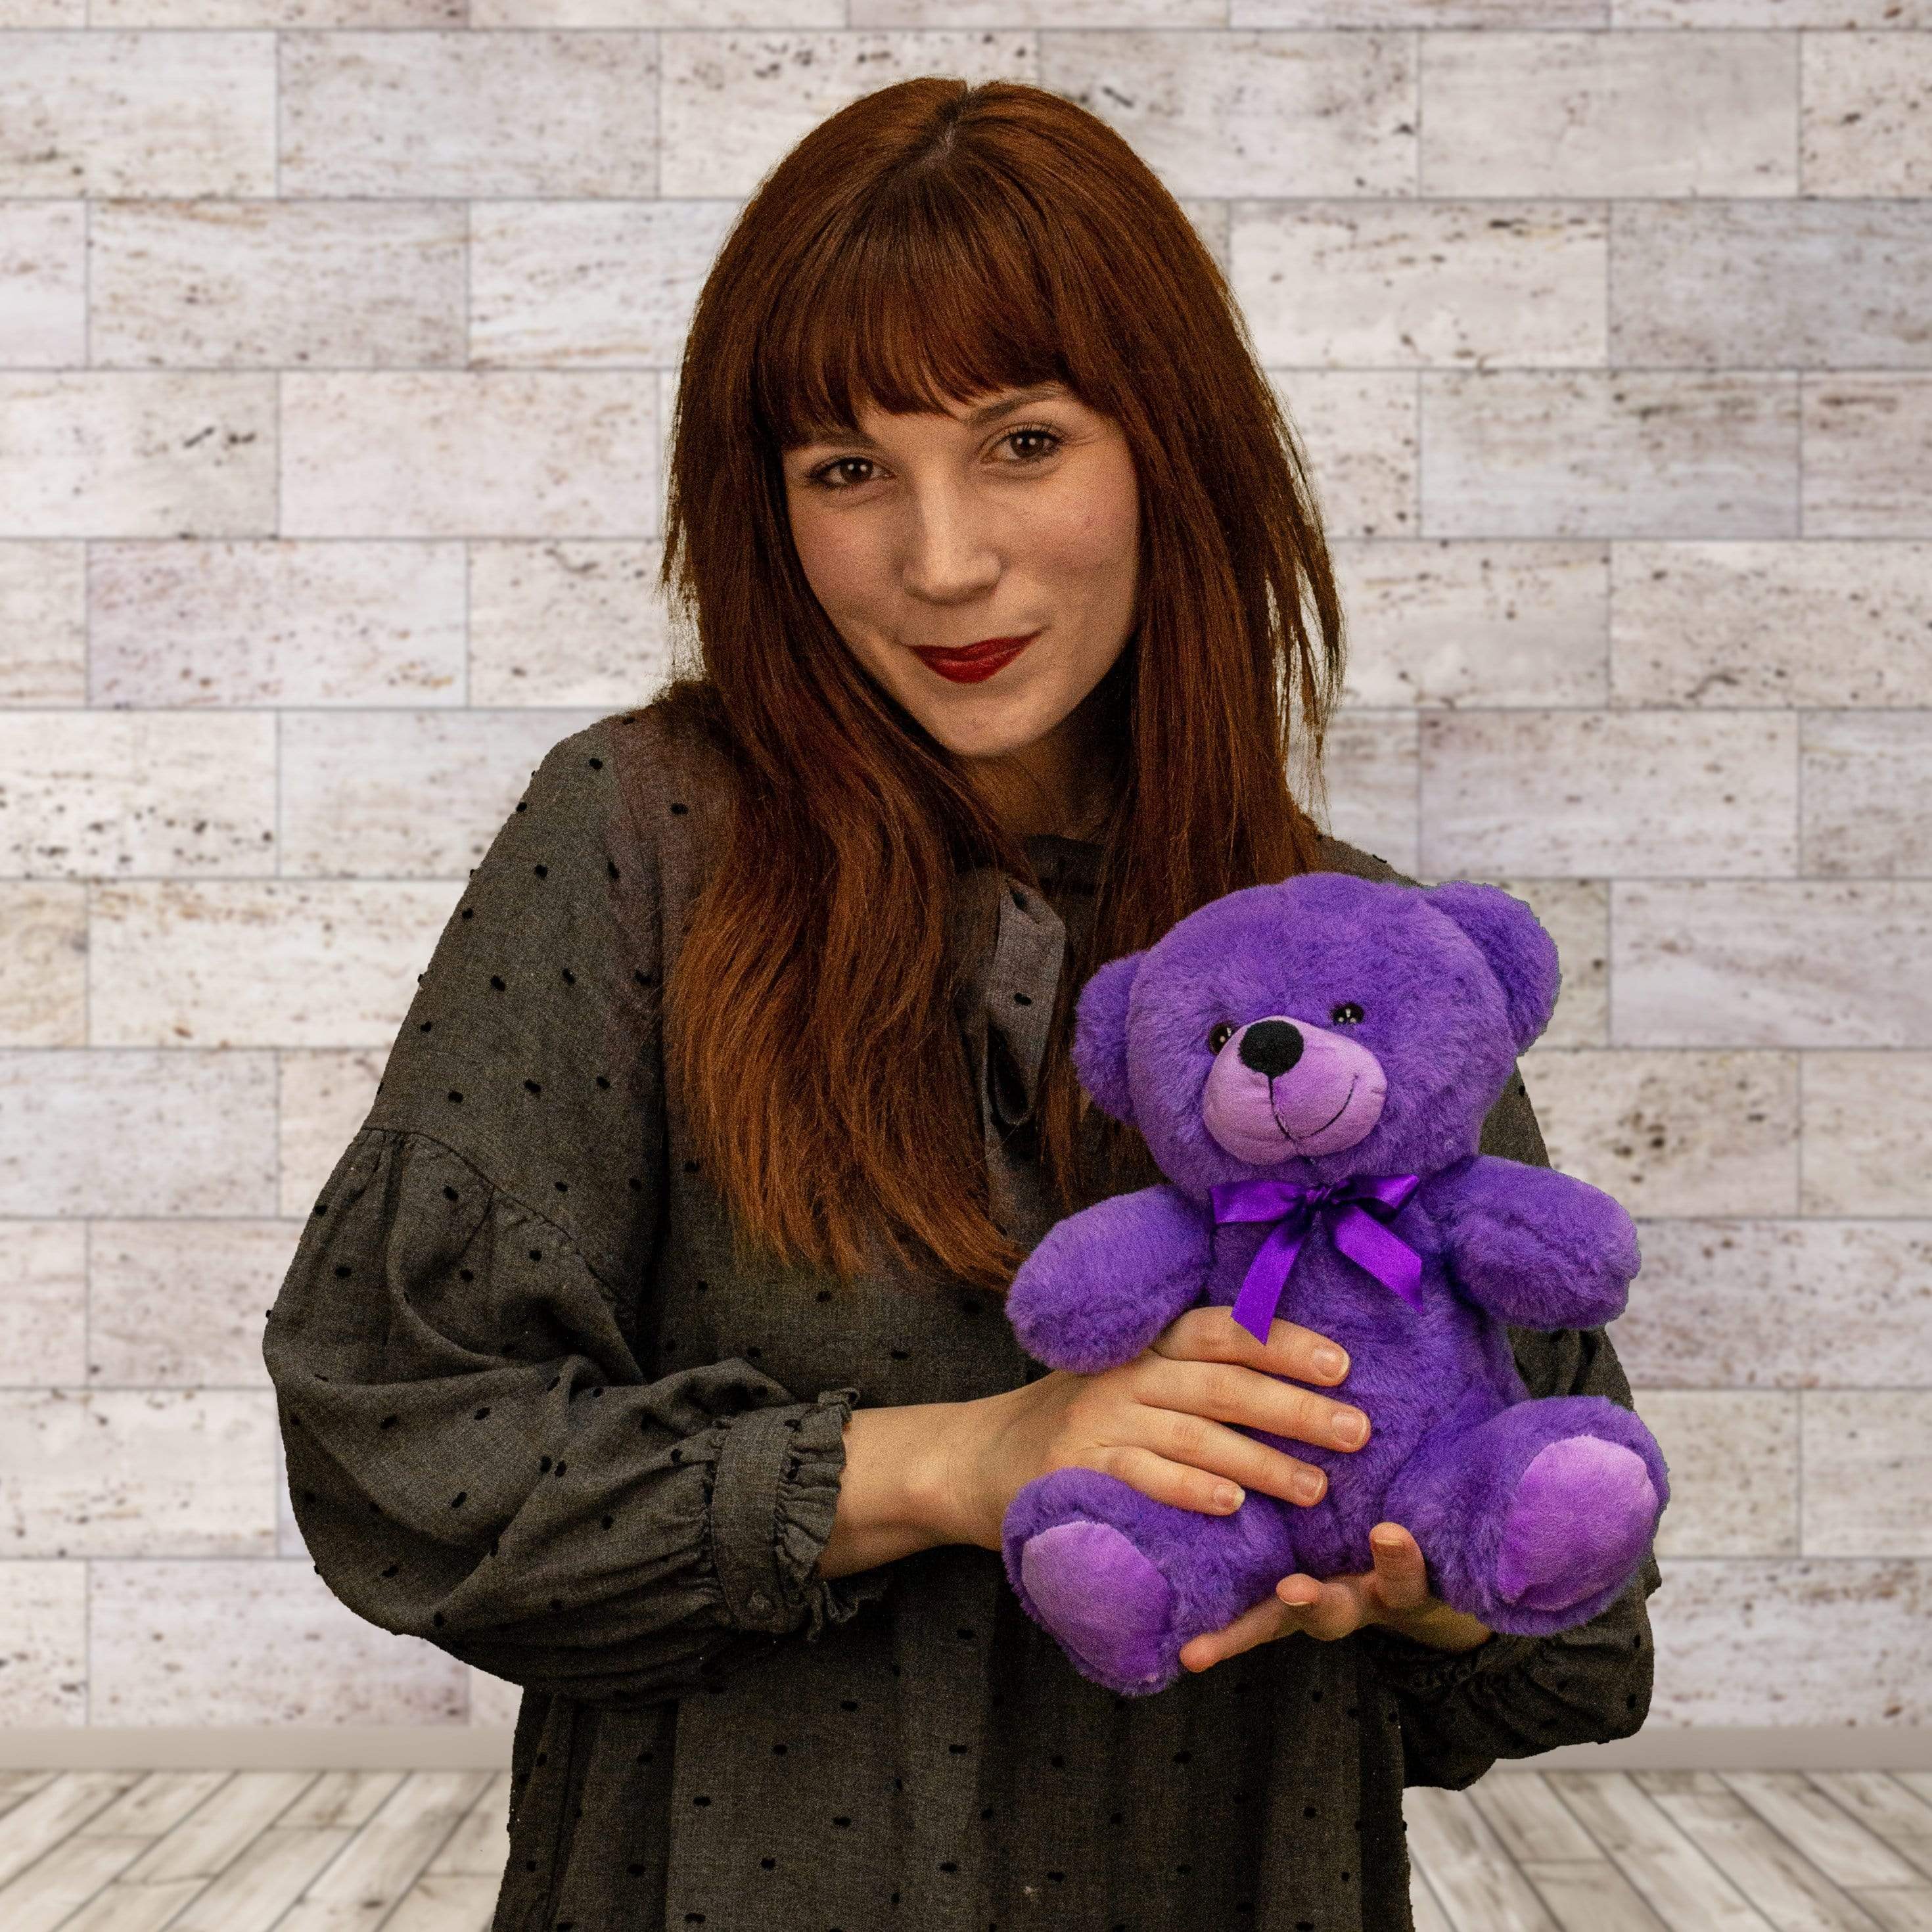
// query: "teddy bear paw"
[[1580, 1518], [1104, 1601]]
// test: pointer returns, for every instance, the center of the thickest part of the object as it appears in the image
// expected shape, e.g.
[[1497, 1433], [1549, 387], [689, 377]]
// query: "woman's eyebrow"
[[977, 418]]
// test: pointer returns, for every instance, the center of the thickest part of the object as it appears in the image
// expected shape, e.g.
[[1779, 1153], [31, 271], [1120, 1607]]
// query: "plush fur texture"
[[1364, 1028]]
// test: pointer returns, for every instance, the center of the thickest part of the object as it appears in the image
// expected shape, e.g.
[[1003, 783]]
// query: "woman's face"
[[928, 531]]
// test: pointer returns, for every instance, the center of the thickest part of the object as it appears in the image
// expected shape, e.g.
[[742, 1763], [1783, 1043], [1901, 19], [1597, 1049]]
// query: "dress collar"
[[1013, 944], [1072, 864]]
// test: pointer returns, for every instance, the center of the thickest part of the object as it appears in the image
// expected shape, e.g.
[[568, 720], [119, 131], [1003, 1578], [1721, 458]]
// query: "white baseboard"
[[464, 1747], [1791, 1748]]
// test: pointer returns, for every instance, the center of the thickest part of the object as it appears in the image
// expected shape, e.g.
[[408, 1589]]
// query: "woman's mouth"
[[976, 661]]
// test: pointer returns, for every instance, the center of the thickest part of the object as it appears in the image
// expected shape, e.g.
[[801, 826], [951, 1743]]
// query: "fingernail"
[[1331, 1361], [1227, 1497]]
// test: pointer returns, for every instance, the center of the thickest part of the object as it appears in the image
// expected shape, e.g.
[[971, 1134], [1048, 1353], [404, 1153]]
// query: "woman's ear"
[[1099, 1049]]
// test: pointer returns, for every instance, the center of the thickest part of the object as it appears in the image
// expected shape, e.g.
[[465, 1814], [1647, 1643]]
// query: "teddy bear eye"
[[1219, 1036], [1347, 1014]]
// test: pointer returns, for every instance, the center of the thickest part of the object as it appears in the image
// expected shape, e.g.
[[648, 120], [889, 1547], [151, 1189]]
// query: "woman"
[[644, 1348]]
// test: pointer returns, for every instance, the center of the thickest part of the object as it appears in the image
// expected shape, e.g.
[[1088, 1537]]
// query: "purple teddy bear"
[[1310, 1063]]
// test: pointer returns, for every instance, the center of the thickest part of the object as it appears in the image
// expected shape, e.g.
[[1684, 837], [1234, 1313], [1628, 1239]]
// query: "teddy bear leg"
[[1122, 1582], [1536, 1520], [1068, 1542]]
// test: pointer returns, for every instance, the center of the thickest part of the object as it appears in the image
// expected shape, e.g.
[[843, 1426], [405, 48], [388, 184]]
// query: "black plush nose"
[[1271, 1046]]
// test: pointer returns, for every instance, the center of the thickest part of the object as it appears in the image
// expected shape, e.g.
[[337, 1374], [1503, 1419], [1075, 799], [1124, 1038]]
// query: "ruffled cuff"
[[1423, 1671], [773, 1500]]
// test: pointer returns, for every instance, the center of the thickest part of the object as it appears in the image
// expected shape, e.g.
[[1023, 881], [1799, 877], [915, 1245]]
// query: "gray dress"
[[532, 1417]]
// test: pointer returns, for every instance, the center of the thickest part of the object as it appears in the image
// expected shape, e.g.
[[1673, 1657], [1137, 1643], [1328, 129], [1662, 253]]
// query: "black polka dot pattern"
[[535, 1415]]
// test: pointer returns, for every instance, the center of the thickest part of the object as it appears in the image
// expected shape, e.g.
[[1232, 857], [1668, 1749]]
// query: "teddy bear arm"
[[1537, 1248], [1101, 1284]]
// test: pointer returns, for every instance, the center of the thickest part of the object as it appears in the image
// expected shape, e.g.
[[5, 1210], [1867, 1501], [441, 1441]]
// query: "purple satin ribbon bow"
[[1347, 1208]]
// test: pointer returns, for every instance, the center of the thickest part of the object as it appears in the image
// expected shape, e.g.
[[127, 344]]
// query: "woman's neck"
[[1049, 789]]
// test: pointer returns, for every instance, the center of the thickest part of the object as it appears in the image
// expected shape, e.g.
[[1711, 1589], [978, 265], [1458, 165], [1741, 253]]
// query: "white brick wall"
[[335, 364]]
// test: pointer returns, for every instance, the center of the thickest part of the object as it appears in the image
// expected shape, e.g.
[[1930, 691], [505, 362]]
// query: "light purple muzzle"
[[1281, 1089]]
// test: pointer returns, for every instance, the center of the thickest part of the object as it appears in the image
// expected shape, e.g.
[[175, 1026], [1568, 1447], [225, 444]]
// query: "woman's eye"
[[1220, 1037], [836, 469], [1347, 1014], [1053, 438]]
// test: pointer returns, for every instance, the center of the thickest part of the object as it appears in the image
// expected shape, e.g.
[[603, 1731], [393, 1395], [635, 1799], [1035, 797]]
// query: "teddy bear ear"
[[1519, 951], [1099, 1049]]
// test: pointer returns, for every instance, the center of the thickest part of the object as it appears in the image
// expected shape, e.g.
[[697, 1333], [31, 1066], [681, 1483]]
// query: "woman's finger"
[[1211, 1334], [1300, 1603], [1402, 1599], [1231, 1393], [1261, 1623], [1401, 1575], [1181, 1484], [1198, 1439], [1327, 1610]]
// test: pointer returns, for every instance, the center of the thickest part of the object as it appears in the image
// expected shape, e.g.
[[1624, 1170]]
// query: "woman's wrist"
[[896, 1495], [961, 1501]]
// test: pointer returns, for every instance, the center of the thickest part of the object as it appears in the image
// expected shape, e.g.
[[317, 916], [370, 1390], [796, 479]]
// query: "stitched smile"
[[1326, 1124]]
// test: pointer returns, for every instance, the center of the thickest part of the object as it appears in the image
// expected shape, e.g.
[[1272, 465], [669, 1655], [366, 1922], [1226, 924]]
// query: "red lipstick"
[[976, 662]]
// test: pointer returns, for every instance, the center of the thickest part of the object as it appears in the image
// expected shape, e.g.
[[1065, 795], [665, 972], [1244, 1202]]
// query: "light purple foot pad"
[[1099, 1596], [1580, 1516]]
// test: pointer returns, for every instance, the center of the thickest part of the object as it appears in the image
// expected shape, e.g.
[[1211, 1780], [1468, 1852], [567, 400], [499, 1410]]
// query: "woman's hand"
[[1158, 1422], [1395, 1592]]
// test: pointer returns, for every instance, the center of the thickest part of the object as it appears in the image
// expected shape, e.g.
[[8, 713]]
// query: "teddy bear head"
[[1319, 1027]]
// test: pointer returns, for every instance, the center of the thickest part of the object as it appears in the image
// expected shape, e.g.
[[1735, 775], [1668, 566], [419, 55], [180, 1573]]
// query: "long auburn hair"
[[933, 241]]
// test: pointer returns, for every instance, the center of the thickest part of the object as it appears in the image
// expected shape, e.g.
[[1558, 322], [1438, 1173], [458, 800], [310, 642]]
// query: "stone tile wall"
[[337, 348]]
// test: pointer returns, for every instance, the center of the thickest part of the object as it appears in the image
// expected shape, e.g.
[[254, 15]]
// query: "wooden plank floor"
[[217, 1851]]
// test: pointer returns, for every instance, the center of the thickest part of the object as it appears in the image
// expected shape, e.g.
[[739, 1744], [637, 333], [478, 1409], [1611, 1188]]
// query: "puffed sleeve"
[[474, 1456], [1514, 1696]]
